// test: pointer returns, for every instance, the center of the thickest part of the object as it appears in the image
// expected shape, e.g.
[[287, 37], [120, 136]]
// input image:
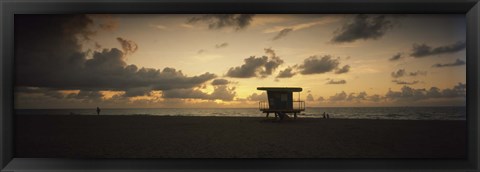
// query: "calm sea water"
[[409, 113]]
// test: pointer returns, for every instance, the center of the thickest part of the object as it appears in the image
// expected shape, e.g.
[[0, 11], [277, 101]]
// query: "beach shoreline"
[[148, 136]]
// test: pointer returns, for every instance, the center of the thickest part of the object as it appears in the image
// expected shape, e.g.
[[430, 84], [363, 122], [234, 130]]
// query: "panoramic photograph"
[[240, 86]]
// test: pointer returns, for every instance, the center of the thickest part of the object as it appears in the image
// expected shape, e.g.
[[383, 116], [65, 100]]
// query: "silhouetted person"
[[328, 116], [98, 111], [324, 116]]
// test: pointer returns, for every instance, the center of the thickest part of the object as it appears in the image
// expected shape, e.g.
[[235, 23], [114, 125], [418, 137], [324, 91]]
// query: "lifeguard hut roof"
[[288, 89]]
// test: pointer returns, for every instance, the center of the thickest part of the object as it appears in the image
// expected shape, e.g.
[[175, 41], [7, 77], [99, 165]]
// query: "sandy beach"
[[142, 136]]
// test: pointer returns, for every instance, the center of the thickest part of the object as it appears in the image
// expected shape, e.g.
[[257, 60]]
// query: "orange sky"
[[338, 60]]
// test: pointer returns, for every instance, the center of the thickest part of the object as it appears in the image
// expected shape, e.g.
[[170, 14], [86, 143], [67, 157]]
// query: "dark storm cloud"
[[286, 73], [341, 81], [219, 21], [457, 62], [258, 97], [49, 55], [396, 57], [411, 94], [256, 66], [128, 46], [138, 91], [344, 69], [222, 45], [363, 27], [187, 93], [314, 65], [400, 82], [282, 33], [43, 91], [220, 82], [221, 92], [86, 95], [423, 50]]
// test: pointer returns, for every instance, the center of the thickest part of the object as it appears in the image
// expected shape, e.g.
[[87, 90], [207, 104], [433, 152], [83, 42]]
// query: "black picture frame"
[[9, 8]]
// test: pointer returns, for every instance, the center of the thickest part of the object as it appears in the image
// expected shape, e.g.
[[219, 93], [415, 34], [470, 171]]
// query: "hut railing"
[[297, 105]]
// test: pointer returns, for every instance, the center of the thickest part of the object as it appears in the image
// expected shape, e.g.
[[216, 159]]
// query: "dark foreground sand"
[[235, 137]]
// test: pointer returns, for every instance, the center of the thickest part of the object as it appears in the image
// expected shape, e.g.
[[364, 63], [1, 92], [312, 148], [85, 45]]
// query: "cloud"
[[286, 73], [50, 56], [411, 94], [457, 62], [221, 92], [405, 95], [282, 33], [400, 82], [396, 57], [128, 46], [108, 22], [399, 73], [258, 97], [375, 98], [351, 97], [321, 99], [220, 82], [363, 27], [159, 26], [341, 81], [314, 65], [270, 52], [256, 66], [402, 72], [424, 50], [137, 91], [36, 90], [417, 73], [338, 97], [219, 21], [187, 93], [249, 69], [344, 69], [310, 97], [222, 45], [86, 95], [357, 97], [302, 25], [201, 51]]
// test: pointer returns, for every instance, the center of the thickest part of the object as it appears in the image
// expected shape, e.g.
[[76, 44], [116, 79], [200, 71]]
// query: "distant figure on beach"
[[324, 116], [98, 111], [328, 116]]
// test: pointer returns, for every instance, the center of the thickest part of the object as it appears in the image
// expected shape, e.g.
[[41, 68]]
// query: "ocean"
[[396, 113]]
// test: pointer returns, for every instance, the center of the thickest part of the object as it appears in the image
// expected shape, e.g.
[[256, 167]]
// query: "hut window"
[[283, 98]]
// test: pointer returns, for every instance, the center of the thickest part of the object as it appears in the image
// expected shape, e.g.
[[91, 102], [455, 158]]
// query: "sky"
[[218, 60]]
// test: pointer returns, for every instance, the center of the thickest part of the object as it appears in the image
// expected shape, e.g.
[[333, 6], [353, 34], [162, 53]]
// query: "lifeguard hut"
[[280, 101]]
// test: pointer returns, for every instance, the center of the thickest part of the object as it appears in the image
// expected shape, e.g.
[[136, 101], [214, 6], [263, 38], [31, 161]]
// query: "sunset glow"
[[216, 61]]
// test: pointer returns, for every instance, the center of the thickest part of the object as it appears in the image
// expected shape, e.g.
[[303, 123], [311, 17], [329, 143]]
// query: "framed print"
[[308, 85]]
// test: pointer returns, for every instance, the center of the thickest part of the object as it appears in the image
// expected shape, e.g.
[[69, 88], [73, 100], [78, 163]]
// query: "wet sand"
[[141, 136]]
